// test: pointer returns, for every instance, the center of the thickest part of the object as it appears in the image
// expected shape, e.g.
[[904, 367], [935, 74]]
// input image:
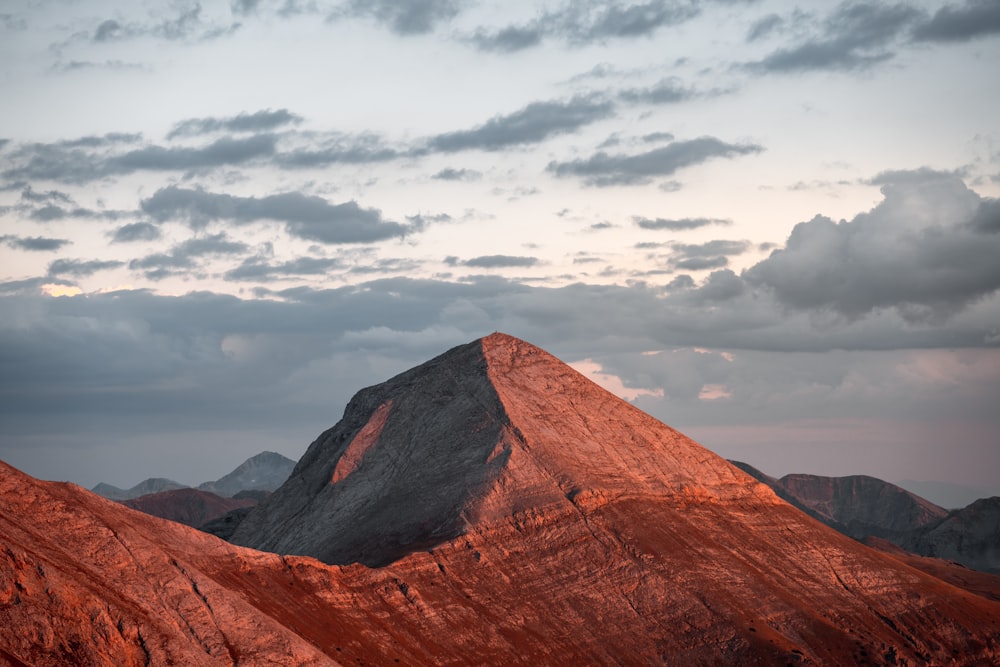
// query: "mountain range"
[[491, 506], [264, 472]]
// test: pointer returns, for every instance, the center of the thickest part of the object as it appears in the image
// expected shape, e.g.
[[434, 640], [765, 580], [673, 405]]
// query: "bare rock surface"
[[523, 516], [191, 507], [970, 536]]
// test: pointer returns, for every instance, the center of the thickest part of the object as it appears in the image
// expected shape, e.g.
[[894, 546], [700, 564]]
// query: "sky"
[[773, 225]]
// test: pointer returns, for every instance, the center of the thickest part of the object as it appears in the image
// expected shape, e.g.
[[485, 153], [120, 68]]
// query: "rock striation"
[[519, 515]]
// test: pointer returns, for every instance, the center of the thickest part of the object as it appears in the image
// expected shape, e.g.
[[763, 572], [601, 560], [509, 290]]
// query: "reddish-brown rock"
[[554, 524], [192, 507]]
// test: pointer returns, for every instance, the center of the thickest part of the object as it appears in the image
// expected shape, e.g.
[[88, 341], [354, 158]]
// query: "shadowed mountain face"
[[145, 487], [525, 516]]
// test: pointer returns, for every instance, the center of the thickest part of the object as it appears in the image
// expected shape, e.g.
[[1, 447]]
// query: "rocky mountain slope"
[[522, 516], [192, 507], [863, 507]]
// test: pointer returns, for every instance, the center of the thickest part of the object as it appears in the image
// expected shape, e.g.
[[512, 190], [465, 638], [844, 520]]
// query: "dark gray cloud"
[[678, 224], [603, 169], [80, 268], [35, 243], [534, 123], [413, 17], [508, 39], [450, 174], [186, 24], [185, 255], [856, 35], [670, 90], [258, 269], [258, 121], [764, 27], [222, 152], [493, 261], [29, 195], [922, 251], [960, 23], [91, 158], [337, 148], [308, 217], [136, 231], [586, 22]]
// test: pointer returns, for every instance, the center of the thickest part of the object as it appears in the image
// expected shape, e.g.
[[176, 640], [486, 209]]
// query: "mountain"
[[857, 505], [863, 507], [264, 472], [191, 507], [970, 536], [151, 485], [520, 515]]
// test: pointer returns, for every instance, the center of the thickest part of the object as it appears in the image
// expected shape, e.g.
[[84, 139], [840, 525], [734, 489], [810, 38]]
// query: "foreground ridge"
[[518, 513]]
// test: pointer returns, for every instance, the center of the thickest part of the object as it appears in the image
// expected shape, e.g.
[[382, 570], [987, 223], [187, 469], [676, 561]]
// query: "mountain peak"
[[484, 431]]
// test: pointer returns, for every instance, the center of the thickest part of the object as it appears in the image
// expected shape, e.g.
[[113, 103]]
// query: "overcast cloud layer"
[[773, 227]]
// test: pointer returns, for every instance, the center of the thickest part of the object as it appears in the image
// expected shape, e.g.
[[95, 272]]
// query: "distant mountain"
[[264, 472], [192, 507], [857, 505], [861, 507], [970, 536], [151, 485], [518, 515]]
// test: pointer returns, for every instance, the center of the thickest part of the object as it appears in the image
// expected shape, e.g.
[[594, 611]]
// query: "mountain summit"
[[479, 434]]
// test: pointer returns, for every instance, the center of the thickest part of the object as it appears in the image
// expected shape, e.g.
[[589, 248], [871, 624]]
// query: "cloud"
[[508, 39], [337, 148], [924, 251], [603, 169], [493, 261], [414, 17], [259, 121], [951, 23], [136, 231], [670, 90], [534, 123], [764, 26], [678, 224], [307, 217], [34, 243], [80, 268], [856, 35], [91, 158], [259, 270], [449, 174], [184, 255], [587, 22], [222, 152]]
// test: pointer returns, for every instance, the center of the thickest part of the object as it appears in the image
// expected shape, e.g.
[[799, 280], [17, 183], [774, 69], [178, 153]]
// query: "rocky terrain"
[[863, 507], [518, 514], [192, 507]]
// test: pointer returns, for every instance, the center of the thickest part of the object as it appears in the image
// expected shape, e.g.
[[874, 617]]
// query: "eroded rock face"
[[191, 507], [541, 521]]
